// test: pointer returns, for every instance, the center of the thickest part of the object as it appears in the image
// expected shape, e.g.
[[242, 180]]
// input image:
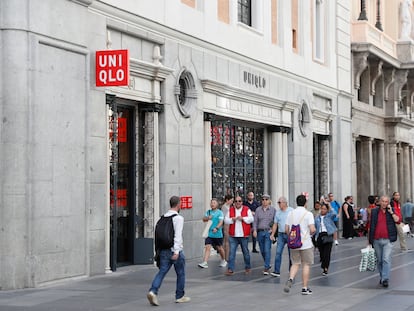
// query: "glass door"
[[122, 183]]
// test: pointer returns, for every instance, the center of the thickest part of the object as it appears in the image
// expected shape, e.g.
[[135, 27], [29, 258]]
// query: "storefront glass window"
[[237, 159]]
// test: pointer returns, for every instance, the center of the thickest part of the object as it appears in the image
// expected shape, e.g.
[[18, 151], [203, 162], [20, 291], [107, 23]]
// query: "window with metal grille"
[[237, 159]]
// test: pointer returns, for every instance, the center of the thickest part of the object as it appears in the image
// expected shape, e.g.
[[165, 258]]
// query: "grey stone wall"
[[53, 164]]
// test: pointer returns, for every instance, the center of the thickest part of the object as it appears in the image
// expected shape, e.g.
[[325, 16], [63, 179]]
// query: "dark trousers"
[[348, 228], [254, 242], [324, 251]]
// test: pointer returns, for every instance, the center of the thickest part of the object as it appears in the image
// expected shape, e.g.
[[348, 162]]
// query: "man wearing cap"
[[263, 220]]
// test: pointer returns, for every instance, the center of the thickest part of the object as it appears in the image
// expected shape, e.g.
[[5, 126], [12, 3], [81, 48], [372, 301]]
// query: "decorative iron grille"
[[237, 159]]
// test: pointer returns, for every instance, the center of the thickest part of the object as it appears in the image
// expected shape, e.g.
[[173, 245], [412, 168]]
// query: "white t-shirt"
[[306, 219]]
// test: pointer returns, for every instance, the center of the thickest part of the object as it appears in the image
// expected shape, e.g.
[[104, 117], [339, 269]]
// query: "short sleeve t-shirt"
[[217, 216], [307, 219]]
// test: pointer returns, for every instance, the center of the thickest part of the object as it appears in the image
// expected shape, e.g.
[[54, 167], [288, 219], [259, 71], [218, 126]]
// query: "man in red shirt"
[[382, 234]]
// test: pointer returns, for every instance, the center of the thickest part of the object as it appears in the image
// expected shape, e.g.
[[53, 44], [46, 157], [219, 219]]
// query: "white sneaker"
[[336, 242], [203, 265], [183, 299], [223, 263], [152, 298]]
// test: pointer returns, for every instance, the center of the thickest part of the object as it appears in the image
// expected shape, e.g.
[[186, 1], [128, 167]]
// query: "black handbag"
[[327, 239]]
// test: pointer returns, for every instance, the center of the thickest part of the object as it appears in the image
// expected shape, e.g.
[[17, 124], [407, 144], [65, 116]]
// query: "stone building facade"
[[382, 108], [223, 97]]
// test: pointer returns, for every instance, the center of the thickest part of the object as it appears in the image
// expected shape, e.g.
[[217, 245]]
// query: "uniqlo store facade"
[[104, 160]]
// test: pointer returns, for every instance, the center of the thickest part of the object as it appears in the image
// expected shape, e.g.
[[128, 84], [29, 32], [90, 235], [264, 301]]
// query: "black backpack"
[[164, 232]]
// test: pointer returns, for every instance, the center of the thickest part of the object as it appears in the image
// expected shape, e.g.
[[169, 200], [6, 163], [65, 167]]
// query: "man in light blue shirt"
[[279, 227]]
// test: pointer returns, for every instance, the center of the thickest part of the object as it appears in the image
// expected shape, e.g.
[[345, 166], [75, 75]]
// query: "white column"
[[393, 173], [285, 166], [276, 171], [381, 186], [400, 171], [407, 173]]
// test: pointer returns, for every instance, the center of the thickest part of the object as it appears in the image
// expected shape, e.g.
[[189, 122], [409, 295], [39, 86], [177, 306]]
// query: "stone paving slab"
[[345, 288]]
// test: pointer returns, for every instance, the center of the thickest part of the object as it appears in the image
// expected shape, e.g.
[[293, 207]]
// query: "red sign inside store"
[[122, 130], [112, 68], [121, 198], [186, 202]]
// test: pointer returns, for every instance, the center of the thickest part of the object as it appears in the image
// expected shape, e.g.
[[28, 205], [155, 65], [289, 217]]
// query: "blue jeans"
[[383, 250], [234, 242], [281, 242], [165, 264], [265, 244]]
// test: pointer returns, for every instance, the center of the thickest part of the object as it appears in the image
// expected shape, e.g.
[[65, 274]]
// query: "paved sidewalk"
[[345, 288]]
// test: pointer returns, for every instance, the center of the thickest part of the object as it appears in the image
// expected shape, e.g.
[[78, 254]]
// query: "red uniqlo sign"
[[112, 68], [186, 202]]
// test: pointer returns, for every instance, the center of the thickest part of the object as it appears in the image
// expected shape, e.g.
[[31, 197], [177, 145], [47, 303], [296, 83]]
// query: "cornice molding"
[[150, 71], [238, 94], [399, 122], [83, 2]]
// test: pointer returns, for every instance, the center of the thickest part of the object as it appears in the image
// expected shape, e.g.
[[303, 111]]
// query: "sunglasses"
[[265, 199], [238, 201], [280, 202]]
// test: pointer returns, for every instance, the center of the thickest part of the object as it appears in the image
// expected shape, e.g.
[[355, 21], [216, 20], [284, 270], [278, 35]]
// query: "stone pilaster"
[[406, 173], [392, 167], [381, 184], [367, 172], [279, 162]]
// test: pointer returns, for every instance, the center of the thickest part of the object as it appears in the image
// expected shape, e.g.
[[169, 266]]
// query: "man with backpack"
[[169, 250], [301, 222]]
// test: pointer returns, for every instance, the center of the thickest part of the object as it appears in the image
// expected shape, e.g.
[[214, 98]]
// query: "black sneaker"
[[385, 283], [306, 291], [274, 273]]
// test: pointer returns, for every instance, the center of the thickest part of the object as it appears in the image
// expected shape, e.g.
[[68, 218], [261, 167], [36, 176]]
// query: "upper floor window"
[[319, 30], [295, 26], [245, 12]]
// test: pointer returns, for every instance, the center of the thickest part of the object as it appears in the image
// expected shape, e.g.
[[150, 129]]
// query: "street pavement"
[[345, 288]]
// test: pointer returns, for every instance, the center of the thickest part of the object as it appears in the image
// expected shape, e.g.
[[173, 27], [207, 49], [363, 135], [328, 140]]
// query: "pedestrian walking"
[[324, 236], [239, 218], [262, 227], [252, 204], [302, 256], [215, 234], [279, 226], [228, 201], [337, 208], [382, 234], [171, 256], [348, 215], [396, 205], [407, 214]]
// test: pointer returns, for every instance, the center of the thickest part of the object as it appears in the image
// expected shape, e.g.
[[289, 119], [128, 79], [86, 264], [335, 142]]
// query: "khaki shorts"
[[302, 256]]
